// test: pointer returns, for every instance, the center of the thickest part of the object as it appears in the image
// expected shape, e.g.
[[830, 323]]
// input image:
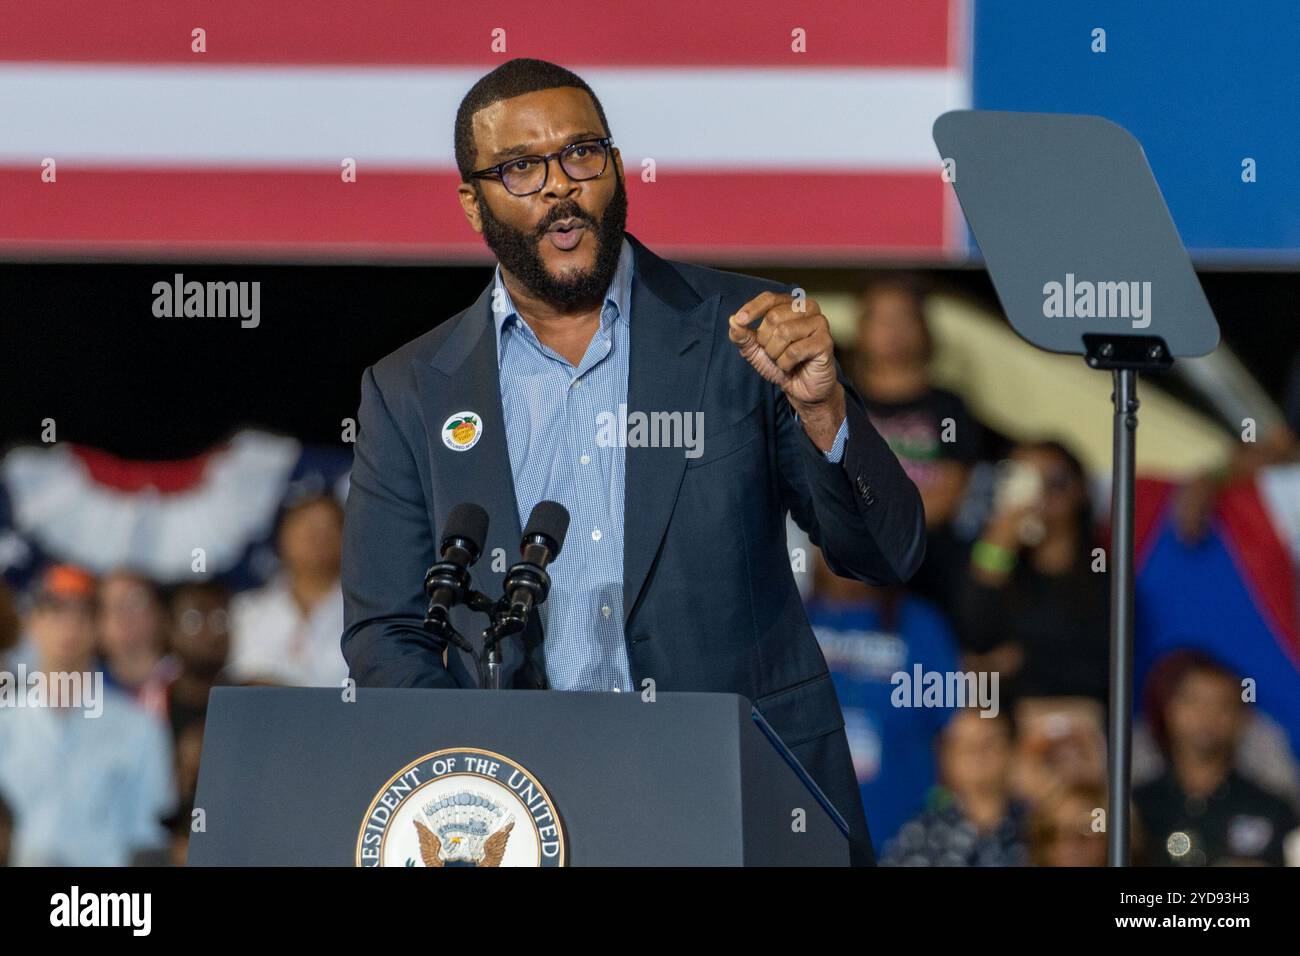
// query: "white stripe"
[[261, 116], [1279, 488], [57, 504]]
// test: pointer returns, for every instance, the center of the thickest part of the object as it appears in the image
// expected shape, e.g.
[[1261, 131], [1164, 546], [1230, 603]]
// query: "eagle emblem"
[[461, 806], [463, 829]]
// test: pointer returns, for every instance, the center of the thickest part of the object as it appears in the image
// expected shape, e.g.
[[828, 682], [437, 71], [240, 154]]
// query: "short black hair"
[[214, 587], [294, 506], [512, 78]]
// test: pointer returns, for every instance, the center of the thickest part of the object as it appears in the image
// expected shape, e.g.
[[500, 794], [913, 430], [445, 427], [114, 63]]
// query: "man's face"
[[975, 753], [889, 328], [130, 618], [63, 632], [201, 634], [515, 228], [1204, 716]]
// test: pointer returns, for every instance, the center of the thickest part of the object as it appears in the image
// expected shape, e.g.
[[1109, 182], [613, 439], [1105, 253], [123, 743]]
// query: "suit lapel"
[[672, 333], [463, 376]]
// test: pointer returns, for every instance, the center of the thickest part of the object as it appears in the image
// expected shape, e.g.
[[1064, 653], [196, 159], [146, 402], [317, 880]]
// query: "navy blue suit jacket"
[[708, 591]]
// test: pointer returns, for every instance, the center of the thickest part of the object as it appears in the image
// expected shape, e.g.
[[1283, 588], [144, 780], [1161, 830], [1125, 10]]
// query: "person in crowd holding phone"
[[1032, 606]]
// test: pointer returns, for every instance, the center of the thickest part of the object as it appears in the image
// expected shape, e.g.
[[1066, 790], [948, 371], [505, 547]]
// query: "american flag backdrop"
[[758, 151]]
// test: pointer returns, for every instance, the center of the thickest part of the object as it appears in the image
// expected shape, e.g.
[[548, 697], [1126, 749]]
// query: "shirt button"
[[585, 459], [604, 610], [577, 383], [595, 535]]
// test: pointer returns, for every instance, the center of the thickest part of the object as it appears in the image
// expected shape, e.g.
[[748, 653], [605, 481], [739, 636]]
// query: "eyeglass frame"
[[488, 172]]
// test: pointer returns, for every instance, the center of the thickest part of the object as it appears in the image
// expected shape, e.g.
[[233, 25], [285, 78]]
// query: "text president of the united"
[[675, 569]]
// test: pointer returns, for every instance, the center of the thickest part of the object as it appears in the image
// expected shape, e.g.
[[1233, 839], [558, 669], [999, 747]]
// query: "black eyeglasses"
[[525, 175]]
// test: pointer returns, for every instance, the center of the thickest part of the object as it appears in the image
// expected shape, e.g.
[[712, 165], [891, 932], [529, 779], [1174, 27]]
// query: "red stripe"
[[1263, 559], [135, 476], [794, 215], [586, 32], [795, 212], [1150, 497]]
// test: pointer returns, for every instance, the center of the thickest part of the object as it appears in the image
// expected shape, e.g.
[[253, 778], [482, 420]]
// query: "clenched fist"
[[793, 350]]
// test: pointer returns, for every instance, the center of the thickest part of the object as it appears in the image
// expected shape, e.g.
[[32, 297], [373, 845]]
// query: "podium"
[[307, 777]]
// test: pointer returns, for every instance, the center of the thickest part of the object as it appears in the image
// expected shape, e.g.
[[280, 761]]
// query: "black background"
[[79, 343]]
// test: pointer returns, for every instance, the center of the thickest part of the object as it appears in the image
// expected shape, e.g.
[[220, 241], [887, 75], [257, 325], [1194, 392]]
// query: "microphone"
[[527, 582], [447, 582]]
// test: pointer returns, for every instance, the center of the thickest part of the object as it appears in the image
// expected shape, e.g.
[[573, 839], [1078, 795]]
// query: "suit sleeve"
[[863, 512], [387, 545]]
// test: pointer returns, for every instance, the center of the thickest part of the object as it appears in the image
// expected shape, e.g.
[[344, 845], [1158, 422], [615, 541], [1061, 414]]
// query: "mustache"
[[575, 213]]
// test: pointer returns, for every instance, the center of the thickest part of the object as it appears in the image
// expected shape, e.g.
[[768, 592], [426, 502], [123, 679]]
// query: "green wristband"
[[992, 557]]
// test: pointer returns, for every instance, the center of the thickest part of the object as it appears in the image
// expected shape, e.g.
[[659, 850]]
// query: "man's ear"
[[469, 201]]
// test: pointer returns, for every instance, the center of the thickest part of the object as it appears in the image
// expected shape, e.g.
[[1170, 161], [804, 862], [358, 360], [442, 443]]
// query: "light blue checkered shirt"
[[551, 413]]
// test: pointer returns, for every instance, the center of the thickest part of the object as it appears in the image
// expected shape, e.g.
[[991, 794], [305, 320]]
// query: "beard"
[[518, 252]]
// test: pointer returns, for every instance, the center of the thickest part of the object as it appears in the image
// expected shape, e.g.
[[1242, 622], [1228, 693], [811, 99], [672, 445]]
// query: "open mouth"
[[566, 234]]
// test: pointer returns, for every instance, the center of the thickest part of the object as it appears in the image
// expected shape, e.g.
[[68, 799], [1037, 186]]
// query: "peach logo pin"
[[462, 431]]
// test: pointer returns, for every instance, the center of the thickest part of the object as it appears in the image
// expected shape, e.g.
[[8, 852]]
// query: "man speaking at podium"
[[674, 574]]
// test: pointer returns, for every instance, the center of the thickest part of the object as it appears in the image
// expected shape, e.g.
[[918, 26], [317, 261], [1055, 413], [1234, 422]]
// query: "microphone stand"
[[511, 617], [491, 660], [507, 617], [441, 625]]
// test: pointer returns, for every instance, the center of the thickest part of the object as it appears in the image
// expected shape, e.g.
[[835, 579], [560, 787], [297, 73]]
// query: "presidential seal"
[[461, 807]]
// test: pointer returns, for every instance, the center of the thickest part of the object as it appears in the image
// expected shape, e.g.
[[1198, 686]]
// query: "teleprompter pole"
[[1120, 718]]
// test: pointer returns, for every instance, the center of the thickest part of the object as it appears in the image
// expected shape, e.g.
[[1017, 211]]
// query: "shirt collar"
[[619, 295]]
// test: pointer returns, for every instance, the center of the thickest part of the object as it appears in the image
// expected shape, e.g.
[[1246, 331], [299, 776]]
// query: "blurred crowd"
[[1009, 588], [119, 789], [1012, 585]]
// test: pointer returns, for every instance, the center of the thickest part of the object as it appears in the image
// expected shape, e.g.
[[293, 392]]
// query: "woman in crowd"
[[132, 626], [1034, 603]]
